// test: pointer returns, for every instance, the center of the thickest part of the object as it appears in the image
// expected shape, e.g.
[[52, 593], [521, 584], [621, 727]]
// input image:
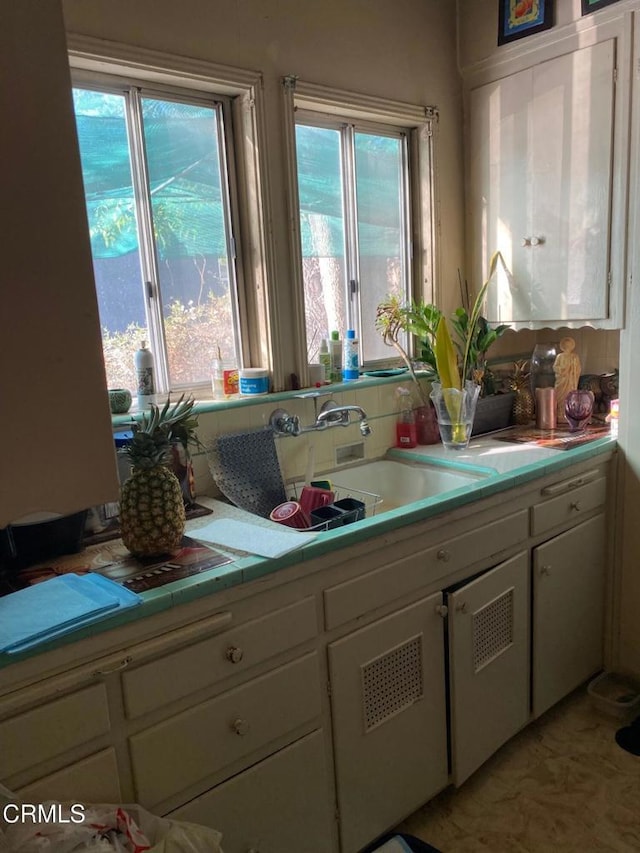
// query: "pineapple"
[[152, 516], [523, 405]]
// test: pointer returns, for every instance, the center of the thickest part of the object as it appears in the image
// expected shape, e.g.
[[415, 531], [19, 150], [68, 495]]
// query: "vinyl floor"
[[562, 785]]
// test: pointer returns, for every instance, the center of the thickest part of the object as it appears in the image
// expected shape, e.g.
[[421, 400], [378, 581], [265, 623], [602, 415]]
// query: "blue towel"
[[58, 606]]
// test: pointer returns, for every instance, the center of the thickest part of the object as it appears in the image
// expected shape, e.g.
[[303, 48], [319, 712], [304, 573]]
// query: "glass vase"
[[541, 366], [455, 410]]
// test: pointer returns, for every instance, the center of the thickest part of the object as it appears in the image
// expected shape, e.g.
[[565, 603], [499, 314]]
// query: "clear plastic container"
[[615, 695], [406, 430]]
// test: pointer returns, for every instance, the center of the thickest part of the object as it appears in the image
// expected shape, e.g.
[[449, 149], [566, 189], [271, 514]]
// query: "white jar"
[[254, 381]]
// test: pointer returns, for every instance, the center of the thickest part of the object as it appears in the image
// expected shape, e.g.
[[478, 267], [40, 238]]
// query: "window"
[[354, 228], [158, 202], [363, 200]]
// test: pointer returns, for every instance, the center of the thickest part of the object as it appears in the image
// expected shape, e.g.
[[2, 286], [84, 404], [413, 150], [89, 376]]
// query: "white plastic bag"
[[175, 836], [105, 829]]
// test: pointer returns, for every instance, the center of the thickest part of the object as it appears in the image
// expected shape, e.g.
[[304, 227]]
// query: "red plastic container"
[[291, 514]]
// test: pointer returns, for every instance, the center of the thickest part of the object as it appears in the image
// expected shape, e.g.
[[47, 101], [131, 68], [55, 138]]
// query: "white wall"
[[478, 28], [398, 49], [56, 433]]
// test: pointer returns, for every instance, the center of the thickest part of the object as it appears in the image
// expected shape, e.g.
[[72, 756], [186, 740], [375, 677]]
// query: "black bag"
[[403, 844]]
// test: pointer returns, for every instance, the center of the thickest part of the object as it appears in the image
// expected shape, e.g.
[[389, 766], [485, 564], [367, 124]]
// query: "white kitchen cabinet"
[[489, 656], [279, 805], [389, 719], [543, 190], [307, 711], [94, 779], [568, 611], [187, 748]]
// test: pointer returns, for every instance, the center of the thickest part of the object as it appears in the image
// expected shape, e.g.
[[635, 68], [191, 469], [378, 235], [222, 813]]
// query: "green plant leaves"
[[446, 358]]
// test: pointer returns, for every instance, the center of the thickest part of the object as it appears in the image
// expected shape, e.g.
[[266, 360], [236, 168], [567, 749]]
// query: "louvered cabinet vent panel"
[[492, 630], [392, 682]]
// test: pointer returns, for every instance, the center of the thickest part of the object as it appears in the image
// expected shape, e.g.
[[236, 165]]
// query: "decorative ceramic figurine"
[[567, 370]]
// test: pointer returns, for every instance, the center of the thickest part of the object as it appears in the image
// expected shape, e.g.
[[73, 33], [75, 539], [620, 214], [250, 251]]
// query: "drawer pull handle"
[[545, 570], [575, 505], [234, 654], [240, 727], [443, 555], [569, 485], [442, 610], [462, 607], [124, 663]]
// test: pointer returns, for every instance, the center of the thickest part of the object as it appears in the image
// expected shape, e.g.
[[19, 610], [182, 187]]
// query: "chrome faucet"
[[331, 414]]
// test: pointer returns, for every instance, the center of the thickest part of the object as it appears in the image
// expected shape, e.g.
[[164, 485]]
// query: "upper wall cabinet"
[[547, 184]]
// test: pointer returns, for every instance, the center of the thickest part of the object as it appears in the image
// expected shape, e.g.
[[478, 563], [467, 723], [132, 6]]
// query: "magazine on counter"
[[114, 561]]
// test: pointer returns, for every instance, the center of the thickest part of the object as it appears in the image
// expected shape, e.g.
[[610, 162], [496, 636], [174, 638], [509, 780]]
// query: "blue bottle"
[[351, 356]]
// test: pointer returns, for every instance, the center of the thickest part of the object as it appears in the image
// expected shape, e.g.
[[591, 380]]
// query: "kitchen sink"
[[398, 483]]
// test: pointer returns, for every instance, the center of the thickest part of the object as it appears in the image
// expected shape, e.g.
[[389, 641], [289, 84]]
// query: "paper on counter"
[[254, 538]]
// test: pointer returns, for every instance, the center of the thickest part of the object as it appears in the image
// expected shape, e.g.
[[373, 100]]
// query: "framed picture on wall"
[[520, 18], [593, 5]]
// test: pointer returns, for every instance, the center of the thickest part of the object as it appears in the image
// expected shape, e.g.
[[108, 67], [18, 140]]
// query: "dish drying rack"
[[371, 501]]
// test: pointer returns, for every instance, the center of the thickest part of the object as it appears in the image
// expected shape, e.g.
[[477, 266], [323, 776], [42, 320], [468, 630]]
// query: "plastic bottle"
[[406, 430], [324, 357], [145, 375], [224, 377], [217, 377], [351, 355], [335, 351]]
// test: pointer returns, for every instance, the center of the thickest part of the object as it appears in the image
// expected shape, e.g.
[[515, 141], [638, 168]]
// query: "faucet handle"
[[283, 423]]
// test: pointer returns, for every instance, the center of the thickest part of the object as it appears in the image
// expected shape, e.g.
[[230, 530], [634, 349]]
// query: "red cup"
[[312, 497], [291, 514]]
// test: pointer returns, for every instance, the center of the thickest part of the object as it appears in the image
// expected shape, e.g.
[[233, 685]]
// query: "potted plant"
[[446, 361], [393, 319]]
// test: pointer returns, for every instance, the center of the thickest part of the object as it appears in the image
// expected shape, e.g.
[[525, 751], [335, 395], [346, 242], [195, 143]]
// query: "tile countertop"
[[503, 465]]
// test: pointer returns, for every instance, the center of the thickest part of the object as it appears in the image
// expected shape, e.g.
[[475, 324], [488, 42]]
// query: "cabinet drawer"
[[176, 675], [353, 598], [575, 501], [92, 780], [280, 805], [199, 742], [51, 729]]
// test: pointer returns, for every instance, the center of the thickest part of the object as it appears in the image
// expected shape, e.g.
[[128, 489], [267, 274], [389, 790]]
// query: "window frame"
[[348, 129], [420, 124], [243, 90]]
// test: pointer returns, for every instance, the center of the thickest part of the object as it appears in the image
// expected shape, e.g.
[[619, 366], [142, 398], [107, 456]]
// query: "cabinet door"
[[389, 720], [541, 176], [280, 805], [568, 611], [489, 663], [500, 180]]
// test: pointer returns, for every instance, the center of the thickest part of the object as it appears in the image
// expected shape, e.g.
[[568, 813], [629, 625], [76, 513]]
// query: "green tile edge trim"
[[239, 402]]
